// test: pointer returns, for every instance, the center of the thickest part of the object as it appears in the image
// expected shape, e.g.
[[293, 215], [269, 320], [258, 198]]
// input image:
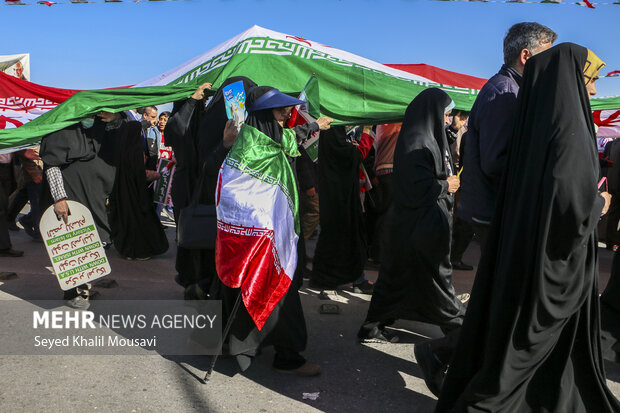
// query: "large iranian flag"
[[354, 90], [258, 224]]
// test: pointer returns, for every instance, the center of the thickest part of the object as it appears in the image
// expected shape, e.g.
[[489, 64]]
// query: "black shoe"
[[194, 292], [462, 266], [365, 287], [34, 234], [27, 227], [376, 335], [10, 252], [433, 370]]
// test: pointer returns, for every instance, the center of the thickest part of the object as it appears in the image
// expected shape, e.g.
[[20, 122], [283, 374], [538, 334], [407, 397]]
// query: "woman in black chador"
[[136, 230], [196, 134], [340, 252], [285, 329], [415, 280], [531, 338]]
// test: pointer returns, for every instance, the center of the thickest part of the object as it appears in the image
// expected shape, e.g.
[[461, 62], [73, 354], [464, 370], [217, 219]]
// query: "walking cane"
[[231, 318]]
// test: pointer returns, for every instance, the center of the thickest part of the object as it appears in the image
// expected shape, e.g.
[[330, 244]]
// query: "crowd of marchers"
[[520, 172]]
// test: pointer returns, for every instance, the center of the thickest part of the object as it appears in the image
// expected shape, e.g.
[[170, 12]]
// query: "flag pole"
[[231, 318]]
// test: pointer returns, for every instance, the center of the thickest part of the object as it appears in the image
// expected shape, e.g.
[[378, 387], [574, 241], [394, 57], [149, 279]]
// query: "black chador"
[[136, 229], [415, 279], [195, 134], [531, 340], [341, 248]]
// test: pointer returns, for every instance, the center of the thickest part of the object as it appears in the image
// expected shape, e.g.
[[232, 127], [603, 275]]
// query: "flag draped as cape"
[[258, 222]]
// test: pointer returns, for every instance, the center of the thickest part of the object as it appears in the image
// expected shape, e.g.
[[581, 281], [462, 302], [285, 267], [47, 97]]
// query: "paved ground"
[[356, 378]]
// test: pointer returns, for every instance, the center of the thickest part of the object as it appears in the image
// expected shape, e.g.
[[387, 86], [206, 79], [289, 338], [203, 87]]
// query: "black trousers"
[[6, 182], [463, 233], [444, 347], [20, 199], [383, 201], [482, 231], [612, 235]]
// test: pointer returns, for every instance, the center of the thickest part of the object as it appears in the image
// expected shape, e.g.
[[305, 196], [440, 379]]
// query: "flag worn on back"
[[258, 222]]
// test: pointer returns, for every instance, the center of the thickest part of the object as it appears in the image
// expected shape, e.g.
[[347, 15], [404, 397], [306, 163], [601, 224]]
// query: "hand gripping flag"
[[257, 220]]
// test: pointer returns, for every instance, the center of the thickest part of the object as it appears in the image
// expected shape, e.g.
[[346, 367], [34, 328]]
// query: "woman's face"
[[446, 117], [162, 122], [590, 87], [282, 114]]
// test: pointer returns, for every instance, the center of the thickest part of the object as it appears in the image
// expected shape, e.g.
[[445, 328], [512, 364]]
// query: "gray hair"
[[527, 35]]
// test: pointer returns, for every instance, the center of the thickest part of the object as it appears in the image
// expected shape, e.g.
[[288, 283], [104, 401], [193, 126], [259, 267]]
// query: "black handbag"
[[197, 226]]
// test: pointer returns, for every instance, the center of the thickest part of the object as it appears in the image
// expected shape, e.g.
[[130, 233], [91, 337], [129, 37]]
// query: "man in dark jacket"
[[490, 125]]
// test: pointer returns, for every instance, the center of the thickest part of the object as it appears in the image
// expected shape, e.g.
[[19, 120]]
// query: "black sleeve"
[[215, 159], [305, 170], [304, 131], [423, 181]]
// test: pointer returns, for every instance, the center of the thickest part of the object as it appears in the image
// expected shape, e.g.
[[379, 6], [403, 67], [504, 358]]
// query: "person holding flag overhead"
[[259, 233]]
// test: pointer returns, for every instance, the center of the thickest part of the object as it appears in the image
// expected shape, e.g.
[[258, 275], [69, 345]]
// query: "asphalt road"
[[355, 378]]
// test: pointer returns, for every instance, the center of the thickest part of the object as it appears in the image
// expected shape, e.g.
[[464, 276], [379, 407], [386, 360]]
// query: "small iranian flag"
[[258, 224], [302, 114]]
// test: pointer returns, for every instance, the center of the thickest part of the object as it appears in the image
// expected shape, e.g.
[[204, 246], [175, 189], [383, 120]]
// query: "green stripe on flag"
[[350, 93], [90, 102], [259, 156]]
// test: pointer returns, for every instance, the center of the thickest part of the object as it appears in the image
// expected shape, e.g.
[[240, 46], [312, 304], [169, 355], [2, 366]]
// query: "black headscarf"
[[68, 145], [214, 119], [530, 340], [263, 120], [422, 150]]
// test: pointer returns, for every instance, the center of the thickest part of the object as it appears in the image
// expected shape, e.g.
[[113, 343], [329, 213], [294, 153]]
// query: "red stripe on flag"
[[246, 258], [445, 77]]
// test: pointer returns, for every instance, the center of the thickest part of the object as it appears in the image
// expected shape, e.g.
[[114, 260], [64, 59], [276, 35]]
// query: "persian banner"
[[163, 186], [22, 101], [74, 247]]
